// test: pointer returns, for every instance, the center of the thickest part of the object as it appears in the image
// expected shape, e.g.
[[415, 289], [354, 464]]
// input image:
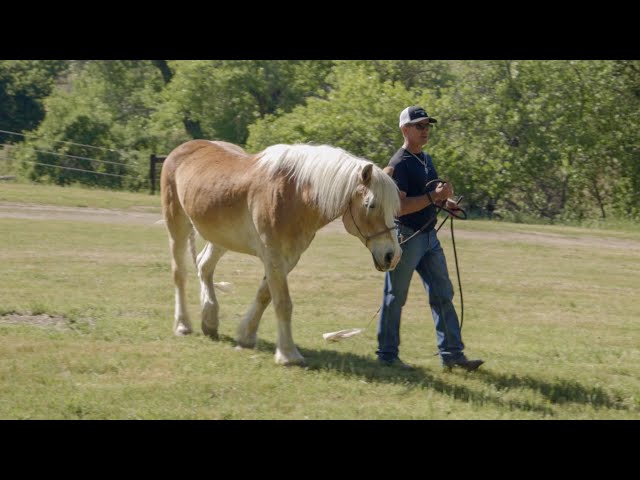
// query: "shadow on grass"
[[368, 369], [560, 392]]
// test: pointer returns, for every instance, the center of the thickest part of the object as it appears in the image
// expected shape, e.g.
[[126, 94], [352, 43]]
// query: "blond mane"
[[332, 173]]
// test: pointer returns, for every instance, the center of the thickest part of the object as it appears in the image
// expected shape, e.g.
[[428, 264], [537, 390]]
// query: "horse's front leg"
[[286, 351]]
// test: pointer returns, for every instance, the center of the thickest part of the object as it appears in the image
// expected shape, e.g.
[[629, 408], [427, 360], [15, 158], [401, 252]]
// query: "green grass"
[[77, 197], [556, 322]]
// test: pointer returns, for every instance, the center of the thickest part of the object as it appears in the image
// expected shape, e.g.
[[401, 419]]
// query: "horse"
[[270, 205]]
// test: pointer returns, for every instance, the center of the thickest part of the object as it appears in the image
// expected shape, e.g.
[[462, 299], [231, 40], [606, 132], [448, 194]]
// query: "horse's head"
[[369, 216]]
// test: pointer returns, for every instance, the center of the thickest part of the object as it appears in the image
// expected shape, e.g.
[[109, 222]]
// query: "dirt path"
[[543, 238], [53, 212], [140, 217]]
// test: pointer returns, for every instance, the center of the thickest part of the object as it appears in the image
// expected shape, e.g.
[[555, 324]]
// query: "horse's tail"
[[177, 222]]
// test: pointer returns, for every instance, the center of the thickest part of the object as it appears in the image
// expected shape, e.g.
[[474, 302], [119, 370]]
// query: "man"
[[412, 169]]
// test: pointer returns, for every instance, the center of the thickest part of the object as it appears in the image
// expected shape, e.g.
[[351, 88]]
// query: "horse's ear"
[[366, 174]]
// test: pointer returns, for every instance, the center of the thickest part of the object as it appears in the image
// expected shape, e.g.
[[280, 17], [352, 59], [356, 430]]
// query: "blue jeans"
[[423, 253]]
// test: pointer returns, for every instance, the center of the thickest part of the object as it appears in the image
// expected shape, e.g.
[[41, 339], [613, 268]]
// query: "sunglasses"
[[422, 126]]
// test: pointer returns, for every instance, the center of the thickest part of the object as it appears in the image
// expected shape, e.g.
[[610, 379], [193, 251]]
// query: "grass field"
[[86, 315]]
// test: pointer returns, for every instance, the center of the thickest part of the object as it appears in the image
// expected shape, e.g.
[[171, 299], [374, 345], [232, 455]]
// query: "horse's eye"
[[369, 204]]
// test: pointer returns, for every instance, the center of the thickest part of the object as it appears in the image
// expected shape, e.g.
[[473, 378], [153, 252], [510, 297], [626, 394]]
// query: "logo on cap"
[[417, 113]]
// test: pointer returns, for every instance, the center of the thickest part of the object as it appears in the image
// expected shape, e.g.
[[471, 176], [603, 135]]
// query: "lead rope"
[[455, 256], [453, 240], [455, 251]]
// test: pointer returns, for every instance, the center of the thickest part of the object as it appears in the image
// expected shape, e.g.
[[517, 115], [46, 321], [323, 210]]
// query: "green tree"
[[23, 86], [417, 76], [551, 139], [106, 105], [540, 137], [622, 119], [359, 113], [224, 97]]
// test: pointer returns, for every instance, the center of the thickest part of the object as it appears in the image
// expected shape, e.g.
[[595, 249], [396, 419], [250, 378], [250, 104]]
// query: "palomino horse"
[[269, 205]]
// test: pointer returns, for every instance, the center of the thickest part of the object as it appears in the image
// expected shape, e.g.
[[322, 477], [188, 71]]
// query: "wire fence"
[[74, 156], [61, 141], [79, 169], [132, 164]]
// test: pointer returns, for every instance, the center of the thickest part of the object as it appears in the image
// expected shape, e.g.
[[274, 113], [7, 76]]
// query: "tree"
[[550, 139], [417, 76], [224, 97], [358, 113], [105, 105], [540, 137], [23, 86]]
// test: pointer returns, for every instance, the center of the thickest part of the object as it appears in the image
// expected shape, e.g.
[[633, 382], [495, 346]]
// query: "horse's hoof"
[[291, 363], [182, 331], [247, 342], [211, 333], [293, 360]]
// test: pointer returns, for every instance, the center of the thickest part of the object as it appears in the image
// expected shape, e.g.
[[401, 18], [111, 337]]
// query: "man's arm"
[[413, 204]]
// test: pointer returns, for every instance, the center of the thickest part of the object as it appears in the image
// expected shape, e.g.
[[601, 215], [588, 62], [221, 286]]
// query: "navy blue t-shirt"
[[411, 174]]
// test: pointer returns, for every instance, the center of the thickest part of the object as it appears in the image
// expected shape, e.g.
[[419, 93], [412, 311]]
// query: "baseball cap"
[[414, 114]]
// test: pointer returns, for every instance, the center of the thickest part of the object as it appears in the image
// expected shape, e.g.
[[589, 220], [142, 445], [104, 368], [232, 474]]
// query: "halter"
[[367, 238]]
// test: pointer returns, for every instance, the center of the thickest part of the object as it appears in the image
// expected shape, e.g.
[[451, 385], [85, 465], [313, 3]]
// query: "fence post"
[[152, 171]]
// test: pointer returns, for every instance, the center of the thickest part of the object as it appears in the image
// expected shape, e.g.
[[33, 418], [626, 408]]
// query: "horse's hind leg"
[[247, 330], [206, 263], [179, 231]]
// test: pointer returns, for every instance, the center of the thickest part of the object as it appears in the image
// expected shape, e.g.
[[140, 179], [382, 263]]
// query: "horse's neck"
[[316, 218], [324, 221], [302, 204]]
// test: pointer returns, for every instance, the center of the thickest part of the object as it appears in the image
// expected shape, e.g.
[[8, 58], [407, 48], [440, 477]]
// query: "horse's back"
[[204, 151], [231, 147], [201, 161], [209, 182]]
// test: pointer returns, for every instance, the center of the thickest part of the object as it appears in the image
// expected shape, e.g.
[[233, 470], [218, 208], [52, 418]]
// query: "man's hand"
[[452, 205], [442, 192]]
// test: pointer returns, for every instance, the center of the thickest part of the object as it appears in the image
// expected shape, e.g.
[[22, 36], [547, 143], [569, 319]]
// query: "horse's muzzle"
[[389, 262]]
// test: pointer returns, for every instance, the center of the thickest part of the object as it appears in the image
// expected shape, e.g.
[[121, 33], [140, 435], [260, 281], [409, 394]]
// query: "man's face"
[[418, 132]]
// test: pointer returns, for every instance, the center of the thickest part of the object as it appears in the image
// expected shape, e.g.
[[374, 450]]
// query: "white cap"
[[414, 114]]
